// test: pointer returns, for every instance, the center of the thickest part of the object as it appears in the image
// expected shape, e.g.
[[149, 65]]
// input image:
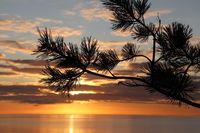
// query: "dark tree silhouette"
[[167, 72]]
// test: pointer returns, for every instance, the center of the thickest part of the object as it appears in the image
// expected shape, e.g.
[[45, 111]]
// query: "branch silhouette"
[[167, 72]]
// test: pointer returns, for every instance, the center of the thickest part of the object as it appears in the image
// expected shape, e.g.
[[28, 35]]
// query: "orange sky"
[[98, 108]]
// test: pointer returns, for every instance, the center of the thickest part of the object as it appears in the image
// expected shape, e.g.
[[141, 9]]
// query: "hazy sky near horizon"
[[75, 19]]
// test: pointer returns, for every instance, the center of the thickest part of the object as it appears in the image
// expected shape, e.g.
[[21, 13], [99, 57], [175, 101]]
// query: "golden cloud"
[[2, 56], [95, 13], [195, 39], [46, 20], [65, 31], [11, 46], [21, 25]]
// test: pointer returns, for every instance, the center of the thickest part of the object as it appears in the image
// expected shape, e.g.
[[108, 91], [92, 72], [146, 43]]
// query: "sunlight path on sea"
[[71, 123]]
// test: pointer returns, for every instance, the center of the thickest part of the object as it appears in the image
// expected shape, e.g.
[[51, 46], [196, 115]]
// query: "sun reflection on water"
[[71, 124], [70, 130]]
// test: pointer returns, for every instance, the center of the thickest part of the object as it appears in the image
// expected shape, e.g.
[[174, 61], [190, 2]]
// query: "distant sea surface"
[[98, 124]]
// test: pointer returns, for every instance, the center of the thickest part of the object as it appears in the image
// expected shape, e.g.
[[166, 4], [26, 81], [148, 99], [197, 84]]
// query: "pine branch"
[[167, 75]]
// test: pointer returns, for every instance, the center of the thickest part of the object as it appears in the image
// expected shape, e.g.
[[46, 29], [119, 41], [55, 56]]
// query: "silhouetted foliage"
[[167, 72]]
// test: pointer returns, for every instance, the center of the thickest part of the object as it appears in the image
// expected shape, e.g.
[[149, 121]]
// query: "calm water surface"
[[97, 124]]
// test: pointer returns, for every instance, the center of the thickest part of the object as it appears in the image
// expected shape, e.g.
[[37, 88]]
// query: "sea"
[[98, 124]]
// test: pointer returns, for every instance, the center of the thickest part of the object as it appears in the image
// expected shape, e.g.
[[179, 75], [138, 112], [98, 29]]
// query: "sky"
[[20, 70]]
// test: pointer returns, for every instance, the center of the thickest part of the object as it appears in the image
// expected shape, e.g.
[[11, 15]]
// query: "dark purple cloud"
[[15, 46], [22, 70], [7, 73], [29, 94], [33, 94], [110, 92], [30, 62]]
